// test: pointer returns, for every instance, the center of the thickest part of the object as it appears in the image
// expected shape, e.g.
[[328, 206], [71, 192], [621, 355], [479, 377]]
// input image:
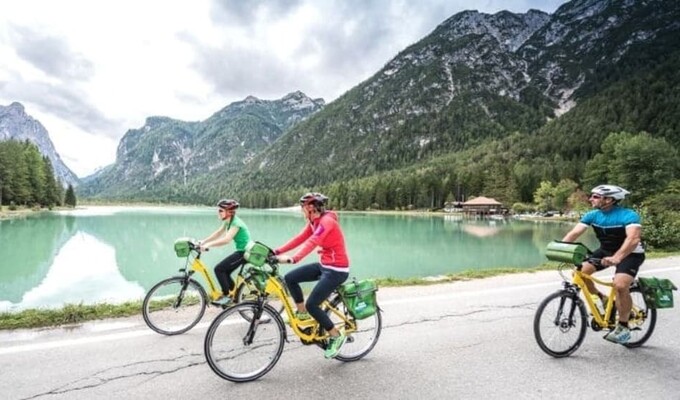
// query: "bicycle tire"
[[227, 353], [560, 324], [642, 320], [174, 305], [361, 342]]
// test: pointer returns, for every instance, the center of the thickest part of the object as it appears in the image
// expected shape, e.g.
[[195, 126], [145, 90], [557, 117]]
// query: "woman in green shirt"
[[233, 228]]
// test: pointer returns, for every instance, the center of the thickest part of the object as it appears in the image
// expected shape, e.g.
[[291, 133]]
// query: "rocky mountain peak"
[[16, 124], [509, 29], [14, 109], [298, 101]]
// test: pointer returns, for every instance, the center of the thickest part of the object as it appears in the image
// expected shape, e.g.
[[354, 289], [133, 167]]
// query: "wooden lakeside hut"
[[483, 206]]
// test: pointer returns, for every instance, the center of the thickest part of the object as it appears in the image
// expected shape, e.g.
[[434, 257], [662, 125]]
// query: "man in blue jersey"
[[619, 231]]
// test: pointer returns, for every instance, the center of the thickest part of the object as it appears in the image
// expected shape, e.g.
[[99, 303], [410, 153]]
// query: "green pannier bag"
[[658, 292], [360, 297], [256, 253], [565, 252], [183, 246]]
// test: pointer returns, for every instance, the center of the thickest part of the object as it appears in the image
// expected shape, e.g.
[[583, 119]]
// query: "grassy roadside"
[[72, 314]]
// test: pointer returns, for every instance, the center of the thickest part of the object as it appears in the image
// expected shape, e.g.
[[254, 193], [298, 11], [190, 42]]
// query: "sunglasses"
[[595, 196]]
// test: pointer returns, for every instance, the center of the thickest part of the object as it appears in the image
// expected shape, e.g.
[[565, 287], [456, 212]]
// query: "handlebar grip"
[[595, 261]]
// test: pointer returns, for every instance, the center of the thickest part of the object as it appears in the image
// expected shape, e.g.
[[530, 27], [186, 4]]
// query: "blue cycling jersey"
[[610, 226]]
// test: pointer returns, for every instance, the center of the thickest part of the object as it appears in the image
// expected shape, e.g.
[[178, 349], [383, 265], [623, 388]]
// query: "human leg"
[[589, 269], [329, 280], [625, 274], [304, 273], [624, 302], [224, 269]]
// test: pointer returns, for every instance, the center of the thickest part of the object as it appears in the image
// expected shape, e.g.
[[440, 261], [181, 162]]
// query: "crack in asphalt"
[[86, 382], [98, 379]]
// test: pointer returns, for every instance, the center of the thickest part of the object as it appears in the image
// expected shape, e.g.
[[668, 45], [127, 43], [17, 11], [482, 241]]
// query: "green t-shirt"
[[243, 236]]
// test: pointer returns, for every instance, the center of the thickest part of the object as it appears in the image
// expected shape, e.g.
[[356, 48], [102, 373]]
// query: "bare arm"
[[633, 237], [221, 241], [575, 232], [214, 235]]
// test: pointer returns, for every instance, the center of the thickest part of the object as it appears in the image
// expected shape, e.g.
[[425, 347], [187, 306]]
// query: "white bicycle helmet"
[[613, 191]]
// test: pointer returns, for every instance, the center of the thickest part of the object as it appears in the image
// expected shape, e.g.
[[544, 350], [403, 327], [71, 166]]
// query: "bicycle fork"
[[569, 322], [180, 296], [254, 322]]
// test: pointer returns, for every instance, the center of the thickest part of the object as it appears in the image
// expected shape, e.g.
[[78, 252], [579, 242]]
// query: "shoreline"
[[78, 314], [6, 214]]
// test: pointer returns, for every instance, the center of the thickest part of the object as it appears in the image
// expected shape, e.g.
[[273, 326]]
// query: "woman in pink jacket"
[[321, 231]]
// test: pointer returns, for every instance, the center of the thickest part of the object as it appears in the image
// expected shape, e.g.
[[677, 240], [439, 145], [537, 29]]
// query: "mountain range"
[[545, 88], [16, 124]]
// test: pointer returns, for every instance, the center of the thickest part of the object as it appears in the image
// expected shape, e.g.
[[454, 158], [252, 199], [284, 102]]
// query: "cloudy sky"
[[91, 70]]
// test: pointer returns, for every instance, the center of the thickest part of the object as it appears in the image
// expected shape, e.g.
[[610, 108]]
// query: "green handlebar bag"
[[256, 253], [565, 252]]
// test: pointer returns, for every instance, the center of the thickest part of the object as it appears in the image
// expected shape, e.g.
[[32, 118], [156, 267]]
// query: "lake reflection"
[[114, 254]]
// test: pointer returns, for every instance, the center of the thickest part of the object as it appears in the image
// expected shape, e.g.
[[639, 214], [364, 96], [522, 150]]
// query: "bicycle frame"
[[214, 292], [579, 279], [275, 287]]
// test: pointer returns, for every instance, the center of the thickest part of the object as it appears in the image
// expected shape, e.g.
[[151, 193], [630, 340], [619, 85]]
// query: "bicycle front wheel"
[[361, 341], [242, 350], [642, 320], [560, 324], [174, 305]]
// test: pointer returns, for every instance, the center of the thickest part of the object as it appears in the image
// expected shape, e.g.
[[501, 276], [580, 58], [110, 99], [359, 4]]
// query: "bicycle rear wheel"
[[560, 324], [174, 305], [360, 342], [228, 352], [642, 320]]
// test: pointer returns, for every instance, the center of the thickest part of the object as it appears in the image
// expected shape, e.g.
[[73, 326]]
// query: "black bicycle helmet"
[[228, 204], [315, 198]]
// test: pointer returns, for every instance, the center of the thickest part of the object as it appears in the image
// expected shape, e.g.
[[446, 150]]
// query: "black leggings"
[[328, 280], [224, 269]]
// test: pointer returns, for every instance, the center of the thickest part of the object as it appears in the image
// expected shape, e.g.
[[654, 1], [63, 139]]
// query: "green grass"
[[72, 314], [78, 313], [68, 315]]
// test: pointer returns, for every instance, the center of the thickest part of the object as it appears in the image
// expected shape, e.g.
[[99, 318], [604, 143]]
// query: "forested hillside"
[[27, 177], [620, 75], [504, 105]]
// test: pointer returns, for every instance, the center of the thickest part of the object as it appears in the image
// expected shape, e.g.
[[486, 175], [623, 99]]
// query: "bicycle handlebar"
[[597, 262], [195, 246]]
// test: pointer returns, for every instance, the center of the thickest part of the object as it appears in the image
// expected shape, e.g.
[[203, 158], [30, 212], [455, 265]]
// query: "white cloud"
[[91, 70]]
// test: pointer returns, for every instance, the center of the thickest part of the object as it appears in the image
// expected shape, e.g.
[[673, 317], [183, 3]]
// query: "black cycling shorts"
[[629, 265]]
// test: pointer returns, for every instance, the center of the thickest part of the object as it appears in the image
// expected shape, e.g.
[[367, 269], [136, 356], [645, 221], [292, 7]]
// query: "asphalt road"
[[462, 340]]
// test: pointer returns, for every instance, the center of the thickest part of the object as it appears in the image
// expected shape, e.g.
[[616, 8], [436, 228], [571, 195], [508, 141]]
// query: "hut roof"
[[482, 201]]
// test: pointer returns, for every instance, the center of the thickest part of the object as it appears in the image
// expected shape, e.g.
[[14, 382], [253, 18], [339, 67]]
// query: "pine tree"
[[70, 197], [53, 190]]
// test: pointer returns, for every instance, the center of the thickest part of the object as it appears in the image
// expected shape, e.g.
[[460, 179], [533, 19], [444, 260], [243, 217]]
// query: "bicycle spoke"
[[174, 306], [361, 341], [229, 350], [559, 324]]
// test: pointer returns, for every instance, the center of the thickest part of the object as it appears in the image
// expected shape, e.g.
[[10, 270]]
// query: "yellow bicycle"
[[242, 349], [176, 304], [560, 321]]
